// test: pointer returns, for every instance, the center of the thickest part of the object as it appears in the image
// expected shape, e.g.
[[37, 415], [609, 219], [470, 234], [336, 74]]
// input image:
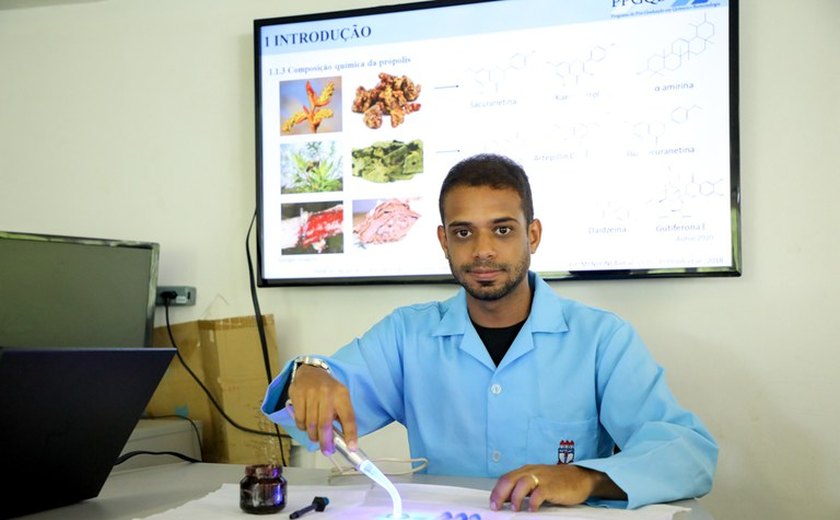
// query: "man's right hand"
[[318, 399]]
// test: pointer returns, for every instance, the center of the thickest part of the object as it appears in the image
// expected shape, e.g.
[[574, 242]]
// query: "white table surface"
[[141, 492]]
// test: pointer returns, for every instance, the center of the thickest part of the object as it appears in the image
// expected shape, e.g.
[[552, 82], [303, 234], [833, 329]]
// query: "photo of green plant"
[[311, 167], [388, 161]]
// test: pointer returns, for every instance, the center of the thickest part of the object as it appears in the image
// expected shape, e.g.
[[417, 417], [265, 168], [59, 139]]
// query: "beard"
[[491, 291]]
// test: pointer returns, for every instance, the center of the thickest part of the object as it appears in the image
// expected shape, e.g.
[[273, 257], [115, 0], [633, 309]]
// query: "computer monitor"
[[66, 291]]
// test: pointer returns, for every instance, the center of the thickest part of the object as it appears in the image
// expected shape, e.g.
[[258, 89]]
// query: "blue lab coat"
[[577, 382]]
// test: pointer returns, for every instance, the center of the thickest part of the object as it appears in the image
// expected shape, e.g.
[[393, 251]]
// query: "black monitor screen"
[[59, 291]]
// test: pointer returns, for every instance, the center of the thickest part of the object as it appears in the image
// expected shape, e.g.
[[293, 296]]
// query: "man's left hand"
[[561, 484]]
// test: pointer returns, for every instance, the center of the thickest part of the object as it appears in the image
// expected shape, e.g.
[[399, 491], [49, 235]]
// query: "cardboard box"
[[226, 356], [241, 400], [178, 392], [232, 348]]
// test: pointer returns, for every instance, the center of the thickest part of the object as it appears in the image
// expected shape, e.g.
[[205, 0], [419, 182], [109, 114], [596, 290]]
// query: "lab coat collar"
[[546, 316], [547, 308]]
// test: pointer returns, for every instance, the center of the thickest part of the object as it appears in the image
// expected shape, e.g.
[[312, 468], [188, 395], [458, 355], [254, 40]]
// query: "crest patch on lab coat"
[[566, 452]]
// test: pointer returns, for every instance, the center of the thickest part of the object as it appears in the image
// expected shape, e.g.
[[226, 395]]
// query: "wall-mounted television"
[[67, 291], [623, 113]]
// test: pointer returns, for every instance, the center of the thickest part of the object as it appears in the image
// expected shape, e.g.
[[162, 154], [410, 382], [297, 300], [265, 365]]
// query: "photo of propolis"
[[312, 228], [393, 97], [310, 106], [382, 221]]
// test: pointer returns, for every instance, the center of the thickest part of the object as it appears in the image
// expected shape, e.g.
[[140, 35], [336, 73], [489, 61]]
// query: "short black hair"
[[493, 170]]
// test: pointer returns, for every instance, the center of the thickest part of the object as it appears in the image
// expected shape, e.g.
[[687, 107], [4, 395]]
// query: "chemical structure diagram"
[[576, 131], [678, 192], [647, 130], [614, 212], [571, 72], [681, 49], [490, 79], [504, 142]]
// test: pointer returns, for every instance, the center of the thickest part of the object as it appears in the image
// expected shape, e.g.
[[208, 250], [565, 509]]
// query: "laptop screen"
[[66, 415]]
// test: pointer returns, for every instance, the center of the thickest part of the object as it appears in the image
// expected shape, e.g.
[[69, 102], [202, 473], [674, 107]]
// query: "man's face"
[[486, 240]]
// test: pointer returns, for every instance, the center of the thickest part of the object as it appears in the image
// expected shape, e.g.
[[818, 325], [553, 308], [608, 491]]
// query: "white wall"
[[134, 119]]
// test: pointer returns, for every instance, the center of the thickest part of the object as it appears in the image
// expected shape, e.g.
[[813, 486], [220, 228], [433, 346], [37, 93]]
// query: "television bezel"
[[732, 270]]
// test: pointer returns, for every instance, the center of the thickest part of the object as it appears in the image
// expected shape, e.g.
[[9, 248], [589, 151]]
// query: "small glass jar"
[[263, 489]]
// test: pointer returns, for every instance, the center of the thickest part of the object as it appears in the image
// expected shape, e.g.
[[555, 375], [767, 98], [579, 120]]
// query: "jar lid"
[[264, 470]]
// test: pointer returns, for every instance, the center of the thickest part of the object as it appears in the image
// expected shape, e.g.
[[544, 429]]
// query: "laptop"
[[65, 416]]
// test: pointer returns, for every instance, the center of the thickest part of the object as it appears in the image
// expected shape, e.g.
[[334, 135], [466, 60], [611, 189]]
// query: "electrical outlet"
[[177, 295]]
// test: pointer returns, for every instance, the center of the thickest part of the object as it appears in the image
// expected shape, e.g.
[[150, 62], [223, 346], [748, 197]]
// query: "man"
[[559, 400]]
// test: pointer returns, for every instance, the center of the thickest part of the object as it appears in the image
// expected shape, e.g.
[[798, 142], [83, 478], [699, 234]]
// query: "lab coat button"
[[496, 389]]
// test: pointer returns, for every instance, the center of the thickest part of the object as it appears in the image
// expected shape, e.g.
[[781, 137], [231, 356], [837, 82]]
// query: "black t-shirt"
[[498, 340]]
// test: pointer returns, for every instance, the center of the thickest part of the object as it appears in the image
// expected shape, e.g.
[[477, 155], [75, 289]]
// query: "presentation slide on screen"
[[621, 120]]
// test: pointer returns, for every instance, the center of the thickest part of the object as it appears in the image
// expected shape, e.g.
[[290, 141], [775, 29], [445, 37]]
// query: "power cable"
[[261, 327], [166, 300]]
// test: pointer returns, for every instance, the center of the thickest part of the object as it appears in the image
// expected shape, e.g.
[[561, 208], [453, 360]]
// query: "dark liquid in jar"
[[263, 489]]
